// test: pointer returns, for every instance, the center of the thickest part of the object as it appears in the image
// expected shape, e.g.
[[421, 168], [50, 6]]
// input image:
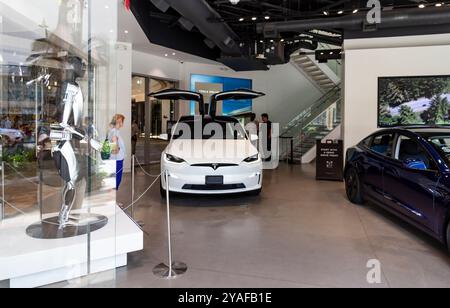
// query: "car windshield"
[[442, 144], [211, 130]]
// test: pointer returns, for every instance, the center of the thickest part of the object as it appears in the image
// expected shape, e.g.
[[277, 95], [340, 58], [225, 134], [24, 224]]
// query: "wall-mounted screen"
[[406, 101], [209, 85]]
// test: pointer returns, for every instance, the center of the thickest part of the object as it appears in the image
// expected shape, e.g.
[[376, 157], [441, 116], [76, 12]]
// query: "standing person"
[[252, 128], [268, 138], [135, 131], [119, 150], [8, 123]]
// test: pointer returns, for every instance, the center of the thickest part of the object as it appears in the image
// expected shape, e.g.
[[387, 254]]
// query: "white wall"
[[366, 60], [288, 91]]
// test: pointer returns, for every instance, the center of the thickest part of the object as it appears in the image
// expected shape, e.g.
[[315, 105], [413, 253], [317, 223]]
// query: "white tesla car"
[[211, 154]]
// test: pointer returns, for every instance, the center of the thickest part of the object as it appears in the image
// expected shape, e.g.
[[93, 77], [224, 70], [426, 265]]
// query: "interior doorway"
[[151, 118]]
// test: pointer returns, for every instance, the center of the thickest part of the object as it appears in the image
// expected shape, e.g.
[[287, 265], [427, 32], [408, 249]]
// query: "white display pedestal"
[[28, 262]]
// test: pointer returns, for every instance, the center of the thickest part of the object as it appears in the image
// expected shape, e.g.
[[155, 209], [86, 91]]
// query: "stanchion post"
[[169, 223], [132, 185], [174, 269], [2, 205]]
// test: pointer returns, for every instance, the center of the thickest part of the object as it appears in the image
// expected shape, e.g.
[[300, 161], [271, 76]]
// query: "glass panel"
[[56, 100]]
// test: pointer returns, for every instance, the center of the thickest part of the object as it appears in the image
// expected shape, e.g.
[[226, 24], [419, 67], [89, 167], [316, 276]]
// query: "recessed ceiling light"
[[241, 19], [341, 12], [261, 41], [282, 40], [126, 31], [438, 4], [422, 6], [254, 18], [267, 17], [325, 13], [355, 11]]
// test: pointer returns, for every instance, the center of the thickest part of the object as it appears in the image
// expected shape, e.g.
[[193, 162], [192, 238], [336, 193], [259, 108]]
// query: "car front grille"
[[214, 187]]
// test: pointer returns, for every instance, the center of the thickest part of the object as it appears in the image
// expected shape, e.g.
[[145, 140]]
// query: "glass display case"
[[59, 221]]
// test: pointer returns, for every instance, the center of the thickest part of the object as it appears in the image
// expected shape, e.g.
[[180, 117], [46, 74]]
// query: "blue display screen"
[[232, 107]]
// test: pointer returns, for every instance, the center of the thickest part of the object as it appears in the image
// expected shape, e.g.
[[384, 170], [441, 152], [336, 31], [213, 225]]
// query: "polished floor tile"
[[298, 233]]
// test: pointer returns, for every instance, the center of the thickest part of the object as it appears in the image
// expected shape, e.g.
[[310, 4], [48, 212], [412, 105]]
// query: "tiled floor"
[[298, 233]]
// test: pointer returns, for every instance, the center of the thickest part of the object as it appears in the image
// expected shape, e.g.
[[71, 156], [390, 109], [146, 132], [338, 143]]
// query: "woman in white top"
[[119, 150]]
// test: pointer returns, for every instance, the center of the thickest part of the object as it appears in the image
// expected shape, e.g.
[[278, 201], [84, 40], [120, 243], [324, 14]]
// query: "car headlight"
[[174, 159], [252, 159]]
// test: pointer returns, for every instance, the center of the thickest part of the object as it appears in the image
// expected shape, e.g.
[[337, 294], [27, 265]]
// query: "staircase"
[[317, 122], [313, 72]]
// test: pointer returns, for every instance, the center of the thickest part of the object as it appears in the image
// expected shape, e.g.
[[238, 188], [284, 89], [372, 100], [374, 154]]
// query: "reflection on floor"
[[299, 233]]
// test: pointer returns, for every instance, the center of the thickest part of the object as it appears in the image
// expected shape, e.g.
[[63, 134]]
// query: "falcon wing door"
[[232, 95], [175, 94]]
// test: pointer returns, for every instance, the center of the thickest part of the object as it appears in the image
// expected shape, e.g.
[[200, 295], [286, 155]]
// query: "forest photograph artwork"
[[414, 101]]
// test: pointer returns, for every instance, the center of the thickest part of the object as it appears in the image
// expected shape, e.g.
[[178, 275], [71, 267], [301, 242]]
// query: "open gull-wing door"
[[175, 94], [232, 95]]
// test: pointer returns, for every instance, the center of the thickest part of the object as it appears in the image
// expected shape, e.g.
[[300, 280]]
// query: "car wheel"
[[353, 186], [448, 237], [256, 193], [162, 191]]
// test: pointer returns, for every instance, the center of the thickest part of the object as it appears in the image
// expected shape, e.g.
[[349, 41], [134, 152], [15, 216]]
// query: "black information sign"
[[330, 160]]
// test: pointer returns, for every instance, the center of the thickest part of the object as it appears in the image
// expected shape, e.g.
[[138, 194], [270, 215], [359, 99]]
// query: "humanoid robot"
[[65, 135]]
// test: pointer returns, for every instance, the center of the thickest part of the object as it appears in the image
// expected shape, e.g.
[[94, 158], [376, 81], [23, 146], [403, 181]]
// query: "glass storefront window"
[[57, 97]]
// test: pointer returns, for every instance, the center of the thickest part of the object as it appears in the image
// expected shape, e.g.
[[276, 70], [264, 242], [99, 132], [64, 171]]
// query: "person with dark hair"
[[252, 128], [135, 131], [267, 151]]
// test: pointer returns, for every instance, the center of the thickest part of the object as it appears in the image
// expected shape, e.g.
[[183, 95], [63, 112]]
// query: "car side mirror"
[[164, 137], [415, 164], [254, 137]]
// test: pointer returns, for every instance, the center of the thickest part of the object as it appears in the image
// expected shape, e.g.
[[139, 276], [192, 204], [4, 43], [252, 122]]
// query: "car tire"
[[353, 187], [255, 193], [162, 191], [448, 237]]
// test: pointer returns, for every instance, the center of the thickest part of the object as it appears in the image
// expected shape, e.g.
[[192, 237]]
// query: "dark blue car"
[[407, 172]]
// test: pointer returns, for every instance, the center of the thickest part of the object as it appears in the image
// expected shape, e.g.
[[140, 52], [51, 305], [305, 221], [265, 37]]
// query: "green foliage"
[[438, 111], [407, 116], [395, 92], [19, 157]]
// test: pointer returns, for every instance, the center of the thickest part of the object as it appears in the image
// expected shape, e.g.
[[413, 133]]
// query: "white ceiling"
[[137, 37]]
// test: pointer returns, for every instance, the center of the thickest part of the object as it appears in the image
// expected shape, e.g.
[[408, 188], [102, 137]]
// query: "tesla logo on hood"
[[215, 166]]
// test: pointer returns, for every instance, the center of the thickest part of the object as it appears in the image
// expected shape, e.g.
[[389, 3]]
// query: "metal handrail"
[[317, 105]]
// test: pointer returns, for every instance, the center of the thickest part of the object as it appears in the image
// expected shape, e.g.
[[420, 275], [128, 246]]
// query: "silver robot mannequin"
[[64, 135]]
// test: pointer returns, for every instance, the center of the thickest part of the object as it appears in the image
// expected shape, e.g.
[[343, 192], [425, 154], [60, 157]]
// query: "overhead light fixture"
[[166, 55], [438, 4], [254, 18], [325, 13], [282, 40], [341, 12], [174, 54], [267, 17], [421, 6], [355, 11], [241, 19], [234, 2], [126, 31]]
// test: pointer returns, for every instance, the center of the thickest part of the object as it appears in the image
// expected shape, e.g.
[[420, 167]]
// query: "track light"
[[325, 13], [234, 2]]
